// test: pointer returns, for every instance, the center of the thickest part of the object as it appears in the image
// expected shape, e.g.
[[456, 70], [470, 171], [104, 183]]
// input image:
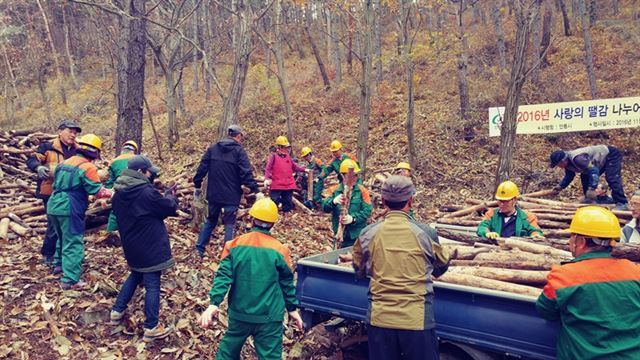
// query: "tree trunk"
[[297, 13], [497, 24], [588, 51], [12, 75], [337, 58], [546, 33], [67, 49], [405, 13], [365, 86], [593, 12], [242, 51], [463, 87], [616, 7], [58, 67], [565, 18], [350, 42], [195, 84], [537, 40], [378, 41], [524, 18], [281, 72], [171, 101], [316, 53], [131, 59], [328, 34], [207, 49], [45, 97]]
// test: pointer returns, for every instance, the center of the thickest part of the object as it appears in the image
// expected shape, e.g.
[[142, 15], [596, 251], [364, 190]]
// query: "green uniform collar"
[[592, 255], [261, 230]]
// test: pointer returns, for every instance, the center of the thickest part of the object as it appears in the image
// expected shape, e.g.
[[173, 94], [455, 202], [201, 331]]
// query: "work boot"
[[115, 317], [621, 206], [158, 332], [73, 286], [57, 270]]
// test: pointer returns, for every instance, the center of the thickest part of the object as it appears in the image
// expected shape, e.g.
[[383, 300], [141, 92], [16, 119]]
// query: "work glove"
[[295, 316], [43, 172], [104, 193], [206, 319], [557, 188], [492, 235], [338, 199], [259, 195], [267, 183], [591, 194], [348, 219], [197, 195], [537, 236]]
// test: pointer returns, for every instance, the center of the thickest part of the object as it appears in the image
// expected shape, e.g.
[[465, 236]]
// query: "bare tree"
[[588, 50], [463, 87], [11, 73], [497, 24], [525, 16], [67, 49], [281, 73], [316, 52], [337, 57], [565, 17], [378, 40], [365, 86], [406, 9], [58, 67]]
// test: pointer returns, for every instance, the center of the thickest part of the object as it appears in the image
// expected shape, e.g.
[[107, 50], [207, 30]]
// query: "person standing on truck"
[[47, 157], [227, 168], [400, 256], [360, 207], [596, 297], [257, 271], [591, 162], [509, 220]]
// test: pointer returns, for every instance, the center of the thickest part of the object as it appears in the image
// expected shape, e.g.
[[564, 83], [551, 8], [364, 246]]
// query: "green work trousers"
[[69, 249], [318, 186], [267, 338], [112, 224]]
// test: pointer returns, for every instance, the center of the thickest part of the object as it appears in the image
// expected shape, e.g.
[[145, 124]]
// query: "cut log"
[[18, 229], [534, 248], [462, 237], [480, 282], [522, 265], [540, 193], [33, 209], [4, 228], [627, 251], [464, 252], [471, 210], [458, 221], [517, 255], [526, 277], [301, 206]]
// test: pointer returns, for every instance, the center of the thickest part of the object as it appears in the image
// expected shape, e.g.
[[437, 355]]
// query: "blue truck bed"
[[484, 319]]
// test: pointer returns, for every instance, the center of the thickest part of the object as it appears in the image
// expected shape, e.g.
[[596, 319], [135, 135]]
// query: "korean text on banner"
[[571, 116]]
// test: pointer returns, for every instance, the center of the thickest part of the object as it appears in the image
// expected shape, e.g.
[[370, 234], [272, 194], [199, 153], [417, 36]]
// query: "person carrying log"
[[278, 175], [401, 257], [359, 205], [140, 212], [227, 168], [591, 162], [595, 297], [74, 180], [129, 149], [315, 166], [509, 219], [48, 156], [257, 271], [631, 231], [338, 157]]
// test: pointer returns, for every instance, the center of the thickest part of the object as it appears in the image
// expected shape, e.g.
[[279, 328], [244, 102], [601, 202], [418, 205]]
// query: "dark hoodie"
[[228, 167], [140, 211]]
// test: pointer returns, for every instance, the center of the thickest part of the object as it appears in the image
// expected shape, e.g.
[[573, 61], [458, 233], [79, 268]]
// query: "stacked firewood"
[[516, 265], [21, 213]]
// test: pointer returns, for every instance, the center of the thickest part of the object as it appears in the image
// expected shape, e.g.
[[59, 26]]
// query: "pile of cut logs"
[[516, 265], [21, 214]]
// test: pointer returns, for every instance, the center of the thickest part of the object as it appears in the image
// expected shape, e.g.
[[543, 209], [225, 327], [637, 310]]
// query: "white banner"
[[571, 116]]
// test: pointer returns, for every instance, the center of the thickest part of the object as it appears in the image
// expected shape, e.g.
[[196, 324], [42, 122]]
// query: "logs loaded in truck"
[[471, 322]]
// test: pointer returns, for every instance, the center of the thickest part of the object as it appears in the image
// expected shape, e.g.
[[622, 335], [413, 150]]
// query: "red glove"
[[104, 193]]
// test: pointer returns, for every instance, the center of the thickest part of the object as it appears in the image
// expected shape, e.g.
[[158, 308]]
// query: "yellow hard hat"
[[403, 165], [132, 144], [91, 140], [507, 190], [265, 210], [597, 222], [335, 145], [282, 141], [348, 163], [305, 151]]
